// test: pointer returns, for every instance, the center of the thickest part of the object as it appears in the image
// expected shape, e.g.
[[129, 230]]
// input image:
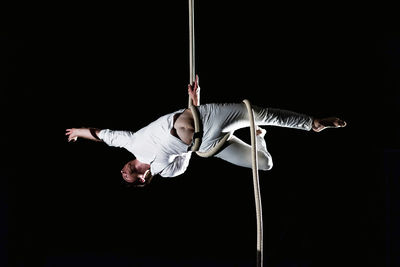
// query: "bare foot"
[[331, 122]]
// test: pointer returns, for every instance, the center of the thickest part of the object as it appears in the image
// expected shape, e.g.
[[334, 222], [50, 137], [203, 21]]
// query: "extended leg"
[[267, 117], [218, 119]]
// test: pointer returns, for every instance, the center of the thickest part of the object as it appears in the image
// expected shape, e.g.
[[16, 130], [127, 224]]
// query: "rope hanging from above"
[[220, 144], [192, 74], [192, 69], [192, 77]]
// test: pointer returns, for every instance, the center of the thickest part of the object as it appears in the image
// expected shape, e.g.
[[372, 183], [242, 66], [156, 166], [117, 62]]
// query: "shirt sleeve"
[[177, 166], [116, 138]]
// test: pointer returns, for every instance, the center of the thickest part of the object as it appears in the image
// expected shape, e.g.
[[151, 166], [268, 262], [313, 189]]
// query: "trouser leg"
[[237, 117], [239, 153], [219, 119]]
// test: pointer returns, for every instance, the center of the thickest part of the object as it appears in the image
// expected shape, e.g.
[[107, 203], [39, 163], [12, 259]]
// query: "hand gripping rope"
[[218, 146]]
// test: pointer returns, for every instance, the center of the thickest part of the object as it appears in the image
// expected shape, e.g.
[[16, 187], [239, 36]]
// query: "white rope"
[[192, 75], [215, 149], [256, 184], [192, 69]]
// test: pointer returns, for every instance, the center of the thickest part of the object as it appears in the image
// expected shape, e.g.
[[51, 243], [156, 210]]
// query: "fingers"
[[71, 136], [196, 83], [193, 90], [69, 131], [190, 90]]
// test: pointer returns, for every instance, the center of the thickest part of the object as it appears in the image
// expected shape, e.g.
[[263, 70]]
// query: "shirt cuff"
[[101, 134]]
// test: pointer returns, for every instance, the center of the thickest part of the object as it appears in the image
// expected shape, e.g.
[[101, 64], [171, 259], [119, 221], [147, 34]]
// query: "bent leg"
[[239, 153]]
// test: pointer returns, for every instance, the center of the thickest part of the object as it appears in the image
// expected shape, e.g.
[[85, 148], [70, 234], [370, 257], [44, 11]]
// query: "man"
[[163, 146]]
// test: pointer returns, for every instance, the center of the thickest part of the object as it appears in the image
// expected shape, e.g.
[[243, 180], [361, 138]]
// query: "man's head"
[[136, 173]]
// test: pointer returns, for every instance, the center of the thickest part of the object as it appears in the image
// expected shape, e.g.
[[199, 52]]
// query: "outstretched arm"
[[86, 133]]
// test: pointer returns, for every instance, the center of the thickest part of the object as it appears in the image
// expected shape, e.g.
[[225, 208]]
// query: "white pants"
[[219, 119]]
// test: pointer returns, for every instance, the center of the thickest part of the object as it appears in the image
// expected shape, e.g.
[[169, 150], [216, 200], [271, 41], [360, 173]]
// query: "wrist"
[[94, 133], [80, 132]]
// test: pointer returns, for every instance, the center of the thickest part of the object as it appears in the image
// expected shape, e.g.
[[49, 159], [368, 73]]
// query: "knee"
[[265, 162]]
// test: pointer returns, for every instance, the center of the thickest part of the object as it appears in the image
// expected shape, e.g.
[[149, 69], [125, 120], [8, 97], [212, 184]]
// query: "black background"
[[122, 66]]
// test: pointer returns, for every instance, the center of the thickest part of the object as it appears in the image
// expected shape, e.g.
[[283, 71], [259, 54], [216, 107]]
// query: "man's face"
[[130, 174]]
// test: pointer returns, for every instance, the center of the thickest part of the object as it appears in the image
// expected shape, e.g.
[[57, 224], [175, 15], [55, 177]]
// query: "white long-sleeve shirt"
[[154, 145]]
